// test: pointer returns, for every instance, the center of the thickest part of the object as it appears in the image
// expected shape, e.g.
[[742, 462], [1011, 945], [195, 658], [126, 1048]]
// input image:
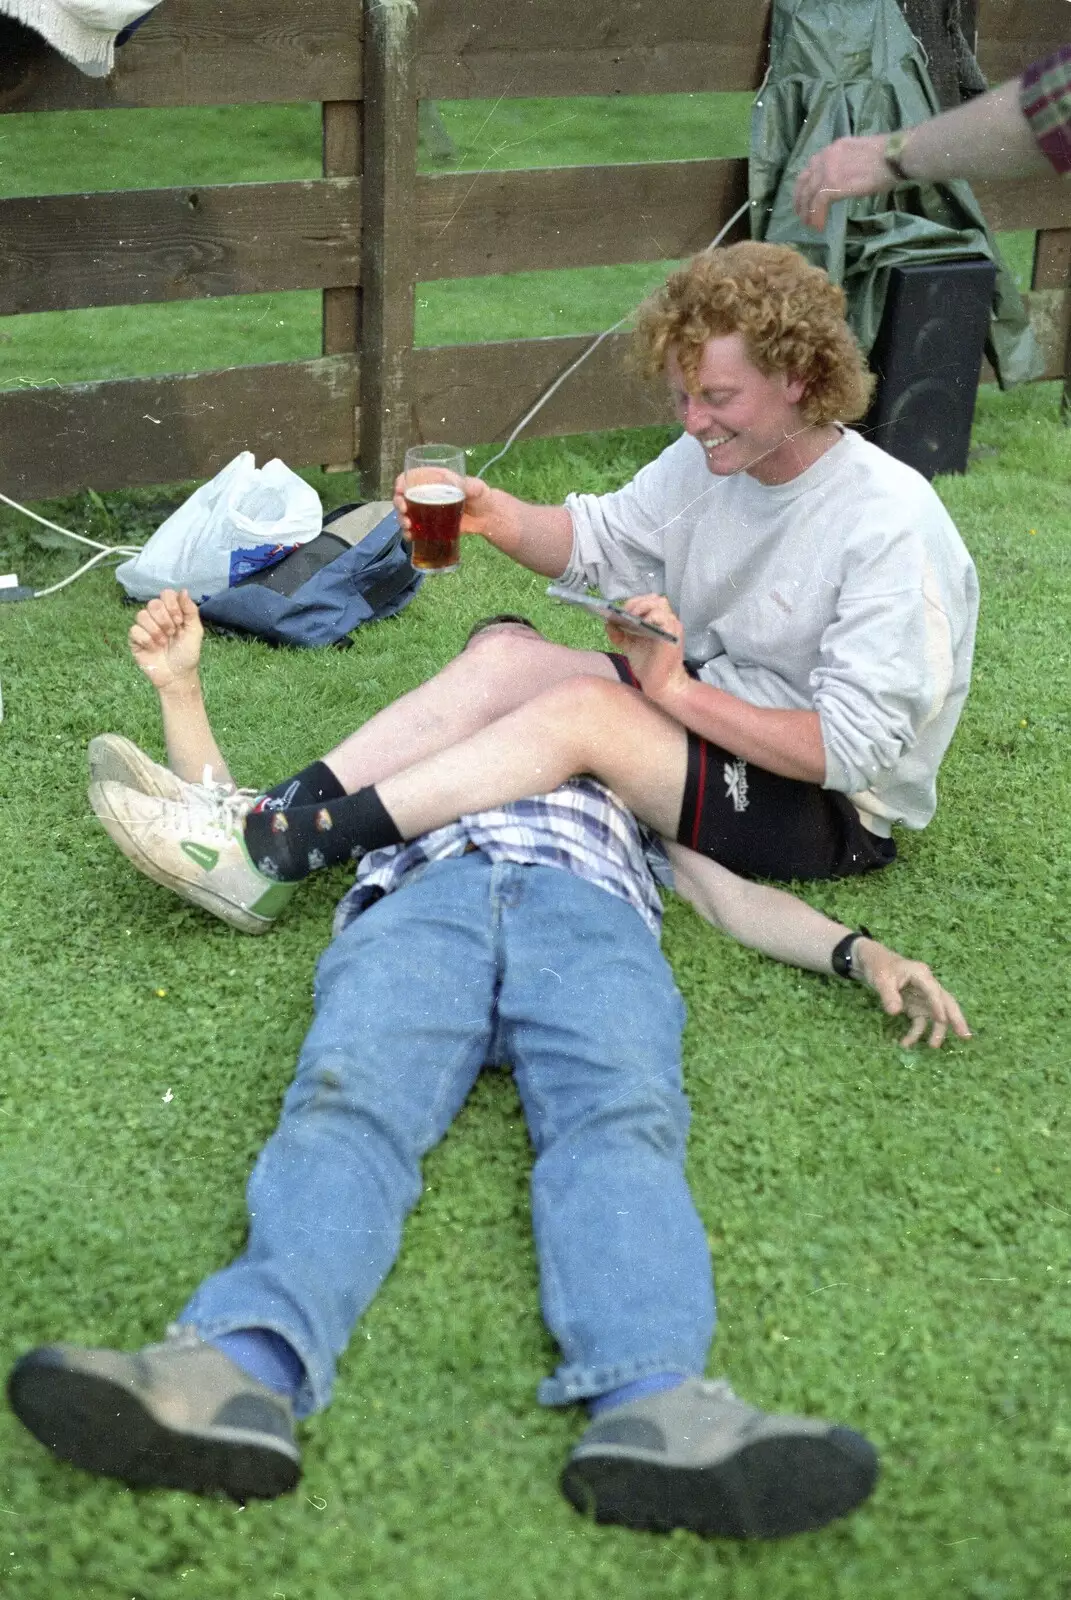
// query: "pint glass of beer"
[[434, 499]]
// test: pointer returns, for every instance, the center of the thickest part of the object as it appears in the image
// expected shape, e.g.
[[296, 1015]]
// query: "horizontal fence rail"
[[471, 224], [481, 49], [1028, 203], [119, 434], [372, 228], [224, 52], [471, 393], [140, 245], [248, 51], [1012, 33]]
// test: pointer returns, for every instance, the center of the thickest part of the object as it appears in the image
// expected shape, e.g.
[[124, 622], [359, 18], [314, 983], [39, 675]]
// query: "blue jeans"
[[471, 963]]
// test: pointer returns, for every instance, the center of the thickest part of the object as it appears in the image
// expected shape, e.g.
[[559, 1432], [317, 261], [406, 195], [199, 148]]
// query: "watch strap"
[[892, 153], [841, 959]]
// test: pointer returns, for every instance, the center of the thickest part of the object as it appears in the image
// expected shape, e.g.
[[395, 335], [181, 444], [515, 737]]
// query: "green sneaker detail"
[[201, 854], [273, 900], [195, 846]]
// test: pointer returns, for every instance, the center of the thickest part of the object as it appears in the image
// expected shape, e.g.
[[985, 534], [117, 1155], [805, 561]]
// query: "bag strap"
[[382, 591]]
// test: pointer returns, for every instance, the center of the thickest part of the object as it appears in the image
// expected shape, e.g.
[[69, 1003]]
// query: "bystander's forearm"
[[987, 138], [779, 925]]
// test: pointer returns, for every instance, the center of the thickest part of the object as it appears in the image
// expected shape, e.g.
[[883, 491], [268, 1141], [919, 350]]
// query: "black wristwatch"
[[841, 959], [892, 155]]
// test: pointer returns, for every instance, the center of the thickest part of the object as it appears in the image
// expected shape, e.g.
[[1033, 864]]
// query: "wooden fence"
[[372, 227]]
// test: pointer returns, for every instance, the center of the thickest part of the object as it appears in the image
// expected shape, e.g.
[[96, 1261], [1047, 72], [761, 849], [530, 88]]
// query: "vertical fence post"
[[1052, 270], [341, 307], [1052, 259], [388, 238]]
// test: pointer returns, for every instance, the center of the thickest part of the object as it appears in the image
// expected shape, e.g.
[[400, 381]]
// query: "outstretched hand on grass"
[[165, 640], [909, 988]]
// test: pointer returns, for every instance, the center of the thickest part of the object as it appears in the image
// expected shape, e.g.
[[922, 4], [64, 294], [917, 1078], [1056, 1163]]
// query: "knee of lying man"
[[505, 626], [651, 1115], [355, 1090], [322, 1086]]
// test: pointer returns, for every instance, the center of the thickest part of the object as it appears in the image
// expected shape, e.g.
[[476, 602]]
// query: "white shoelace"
[[211, 809]]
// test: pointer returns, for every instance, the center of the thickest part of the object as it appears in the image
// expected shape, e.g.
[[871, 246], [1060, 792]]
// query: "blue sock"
[[266, 1356], [654, 1383]]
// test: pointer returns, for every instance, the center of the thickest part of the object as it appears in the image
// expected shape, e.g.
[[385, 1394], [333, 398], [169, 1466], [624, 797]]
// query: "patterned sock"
[[266, 1356], [637, 1390], [309, 787], [290, 844]]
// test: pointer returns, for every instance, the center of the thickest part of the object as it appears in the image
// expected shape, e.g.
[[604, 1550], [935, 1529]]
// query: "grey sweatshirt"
[[847, 591]]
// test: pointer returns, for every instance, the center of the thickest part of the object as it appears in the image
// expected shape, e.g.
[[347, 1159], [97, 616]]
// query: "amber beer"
[[434, 511], [434, 500]]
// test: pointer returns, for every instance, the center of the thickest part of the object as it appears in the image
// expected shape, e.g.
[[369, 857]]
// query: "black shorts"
[[761, 825]]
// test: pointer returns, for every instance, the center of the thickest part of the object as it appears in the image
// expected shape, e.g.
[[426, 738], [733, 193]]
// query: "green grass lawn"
[[891, 1230]]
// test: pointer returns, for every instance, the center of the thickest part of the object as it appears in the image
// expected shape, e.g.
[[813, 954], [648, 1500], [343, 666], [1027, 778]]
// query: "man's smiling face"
[[740, 416]]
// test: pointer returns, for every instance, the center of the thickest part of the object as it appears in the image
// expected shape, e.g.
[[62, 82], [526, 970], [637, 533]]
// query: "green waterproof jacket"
[[842, 67]]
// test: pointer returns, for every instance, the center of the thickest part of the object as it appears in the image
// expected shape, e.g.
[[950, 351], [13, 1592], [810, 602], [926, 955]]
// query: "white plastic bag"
[[245, 518]]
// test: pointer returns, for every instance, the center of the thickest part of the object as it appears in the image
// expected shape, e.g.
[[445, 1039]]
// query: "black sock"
[[309, 787], [289, 844]]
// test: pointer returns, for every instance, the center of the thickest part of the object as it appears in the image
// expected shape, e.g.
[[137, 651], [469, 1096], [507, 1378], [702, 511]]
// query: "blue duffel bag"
[[324, 590]]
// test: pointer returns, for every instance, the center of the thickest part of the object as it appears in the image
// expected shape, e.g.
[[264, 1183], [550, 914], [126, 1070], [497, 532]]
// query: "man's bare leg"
[[584, 726], [498, 671]]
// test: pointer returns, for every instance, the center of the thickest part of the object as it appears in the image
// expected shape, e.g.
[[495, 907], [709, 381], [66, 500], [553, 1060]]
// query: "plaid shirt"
[[1045, 97], [581, 827]]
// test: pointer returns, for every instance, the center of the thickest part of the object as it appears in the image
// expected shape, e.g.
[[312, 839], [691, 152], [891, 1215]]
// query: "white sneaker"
[[196, 847], [113, 759]]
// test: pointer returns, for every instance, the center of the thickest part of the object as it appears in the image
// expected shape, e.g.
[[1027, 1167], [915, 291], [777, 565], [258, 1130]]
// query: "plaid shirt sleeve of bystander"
[[1045, 98]]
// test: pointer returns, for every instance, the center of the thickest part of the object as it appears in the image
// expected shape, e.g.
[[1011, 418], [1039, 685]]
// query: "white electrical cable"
[[592, 347], [101, 555], [102, 550], [94, 544], [555, 386]]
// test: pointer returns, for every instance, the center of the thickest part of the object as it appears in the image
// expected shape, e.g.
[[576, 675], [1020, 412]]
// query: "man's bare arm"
[[787, 742], [165, 642], [784, 927]]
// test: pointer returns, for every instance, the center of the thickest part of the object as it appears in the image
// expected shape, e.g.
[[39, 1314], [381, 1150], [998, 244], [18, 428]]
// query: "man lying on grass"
[[824, 599], [528, 936]]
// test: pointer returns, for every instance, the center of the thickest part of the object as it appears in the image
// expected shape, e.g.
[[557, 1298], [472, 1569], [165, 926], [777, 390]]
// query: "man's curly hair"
[[790, 314]]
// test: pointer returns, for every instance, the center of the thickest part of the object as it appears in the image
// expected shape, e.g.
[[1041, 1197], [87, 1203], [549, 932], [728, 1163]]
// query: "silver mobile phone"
[[611, 611]]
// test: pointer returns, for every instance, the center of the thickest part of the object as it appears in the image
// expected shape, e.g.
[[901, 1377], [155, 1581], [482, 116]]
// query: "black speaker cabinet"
[[927, 358]]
